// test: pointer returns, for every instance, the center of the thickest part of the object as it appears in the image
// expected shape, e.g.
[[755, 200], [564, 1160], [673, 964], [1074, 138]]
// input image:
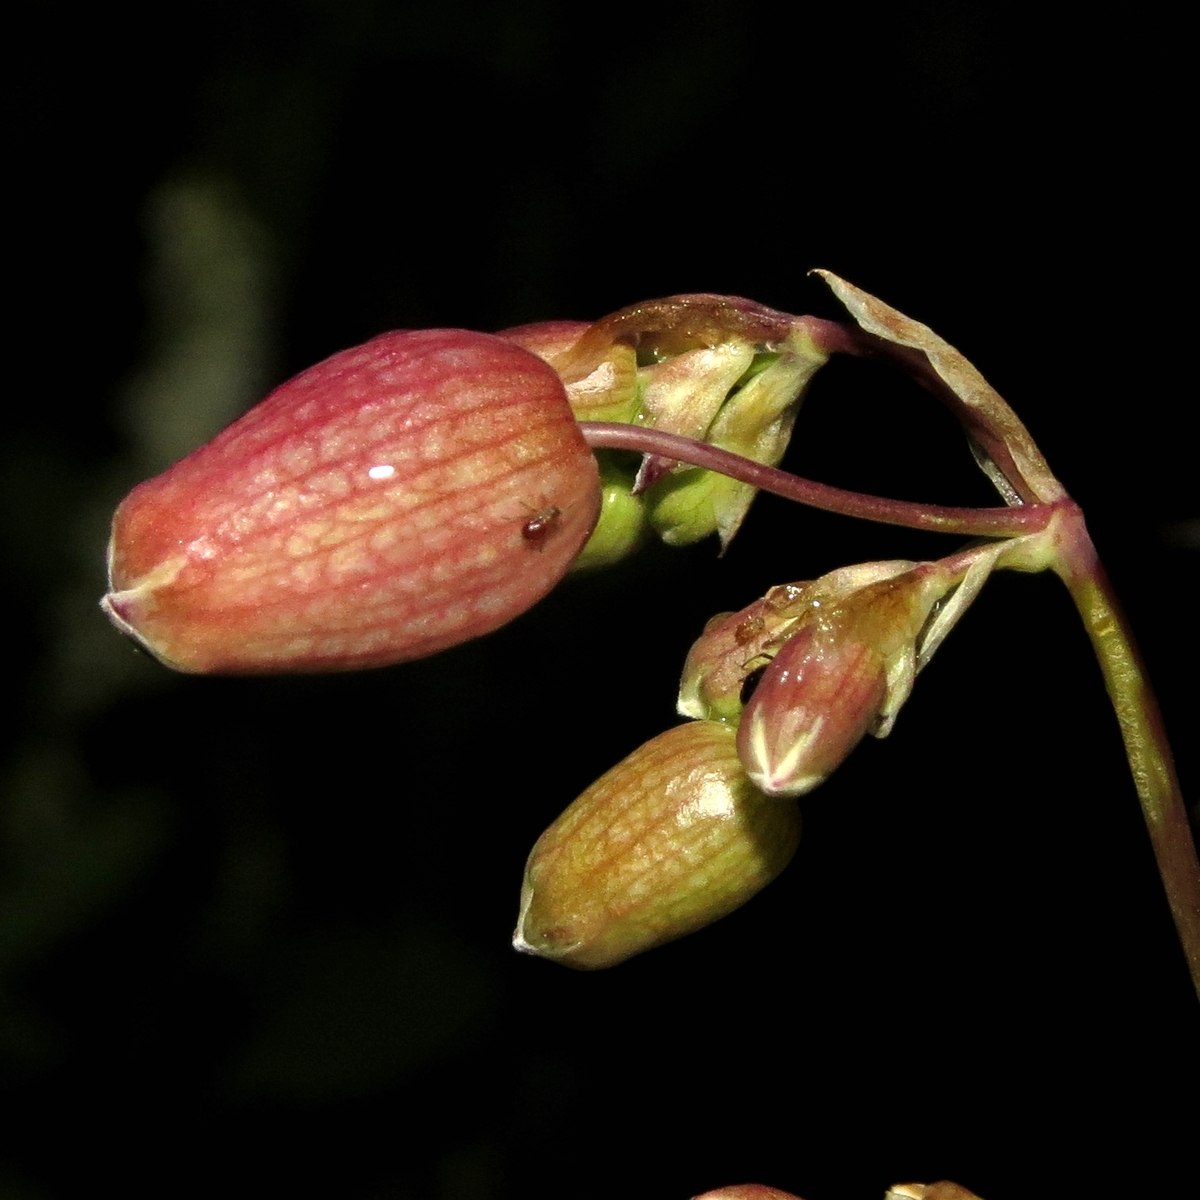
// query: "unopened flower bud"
[[394, 500], [844, 671], [812, 706], [666, 842], [736, 646], [747, 1191]]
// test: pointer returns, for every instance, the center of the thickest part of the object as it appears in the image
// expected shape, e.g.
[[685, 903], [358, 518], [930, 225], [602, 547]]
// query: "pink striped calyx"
[[844, 672], [809, 669], [392, 501]]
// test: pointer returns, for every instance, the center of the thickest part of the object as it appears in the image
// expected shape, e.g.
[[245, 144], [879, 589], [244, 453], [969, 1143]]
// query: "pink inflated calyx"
[[843, 672], [812, 706], [392, 501]]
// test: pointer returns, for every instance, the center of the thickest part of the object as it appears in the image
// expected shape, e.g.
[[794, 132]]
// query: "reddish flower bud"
[[735, 646], [747, 1191], [844, 671], [394, 500], [812, 706]]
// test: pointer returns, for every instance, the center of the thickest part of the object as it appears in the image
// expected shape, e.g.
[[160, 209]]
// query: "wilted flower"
[[666, 842], [394, 500], [719, 369]]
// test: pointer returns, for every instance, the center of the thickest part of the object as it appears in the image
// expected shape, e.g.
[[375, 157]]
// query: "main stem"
[[1141, 728]]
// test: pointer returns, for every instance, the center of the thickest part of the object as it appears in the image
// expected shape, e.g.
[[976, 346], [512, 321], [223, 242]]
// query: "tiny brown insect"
[[541, 525]]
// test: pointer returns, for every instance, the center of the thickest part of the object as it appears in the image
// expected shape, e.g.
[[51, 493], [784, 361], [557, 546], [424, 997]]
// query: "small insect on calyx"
[[542, 526]]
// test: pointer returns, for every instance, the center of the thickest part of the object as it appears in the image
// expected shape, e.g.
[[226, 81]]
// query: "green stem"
[[1141, 727]]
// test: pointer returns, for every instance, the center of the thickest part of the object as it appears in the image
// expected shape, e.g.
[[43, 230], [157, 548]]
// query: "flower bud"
[[747, 1191], [622, 526], [812, 706], [754, 420], [845, 670], [668, 841], [394, 500], [734, 646]]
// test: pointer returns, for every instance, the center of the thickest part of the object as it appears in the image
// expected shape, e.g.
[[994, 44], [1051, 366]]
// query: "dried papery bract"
[[604, 388], [669, 840], [372, 510]]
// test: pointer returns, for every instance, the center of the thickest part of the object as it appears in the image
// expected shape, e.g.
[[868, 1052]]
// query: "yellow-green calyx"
[[622, 525], [668, 841]]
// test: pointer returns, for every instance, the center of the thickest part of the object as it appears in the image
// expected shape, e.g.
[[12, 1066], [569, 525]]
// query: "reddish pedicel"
[[374, 509]]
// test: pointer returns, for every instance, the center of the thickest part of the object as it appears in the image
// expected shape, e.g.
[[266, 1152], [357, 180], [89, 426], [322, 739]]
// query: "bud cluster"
[[429, 486], [827, 661]]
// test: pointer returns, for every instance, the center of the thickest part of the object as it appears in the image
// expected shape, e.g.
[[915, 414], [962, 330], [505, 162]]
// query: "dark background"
[[254, 933]]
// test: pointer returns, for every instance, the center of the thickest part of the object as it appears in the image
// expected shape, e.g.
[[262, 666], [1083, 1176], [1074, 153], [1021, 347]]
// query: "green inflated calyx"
[[622, 526], [671, 839]]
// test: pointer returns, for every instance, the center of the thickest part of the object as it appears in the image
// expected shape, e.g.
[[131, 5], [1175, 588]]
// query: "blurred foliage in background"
[[254, 933]]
